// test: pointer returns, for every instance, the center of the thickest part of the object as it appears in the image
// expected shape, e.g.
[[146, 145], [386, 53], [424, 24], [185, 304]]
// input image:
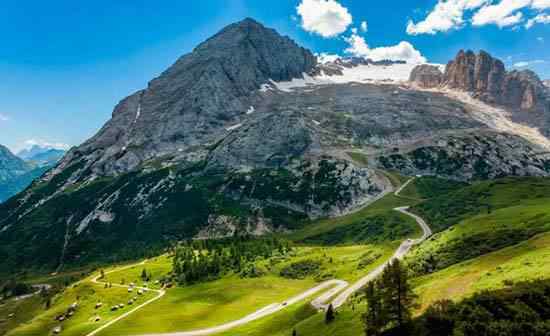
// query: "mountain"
[[485, 78], [546, 82], [11, 168], [41, 155], [15, 174], [248, 133]]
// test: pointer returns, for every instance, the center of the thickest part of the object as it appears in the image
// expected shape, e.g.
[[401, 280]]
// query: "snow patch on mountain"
[[397, 73], [497, 118]]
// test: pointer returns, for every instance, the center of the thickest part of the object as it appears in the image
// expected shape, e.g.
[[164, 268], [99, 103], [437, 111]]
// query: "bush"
[[301, 269]]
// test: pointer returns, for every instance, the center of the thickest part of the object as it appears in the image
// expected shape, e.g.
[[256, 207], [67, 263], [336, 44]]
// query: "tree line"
[[203, 260]]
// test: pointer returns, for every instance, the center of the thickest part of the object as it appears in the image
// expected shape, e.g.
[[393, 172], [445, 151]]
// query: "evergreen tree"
[[329, 316], [294, 333], [390, 301], [144, 274], [374, 318]]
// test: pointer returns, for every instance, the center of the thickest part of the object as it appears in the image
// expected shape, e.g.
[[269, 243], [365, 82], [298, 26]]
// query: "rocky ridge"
[[487, 79]]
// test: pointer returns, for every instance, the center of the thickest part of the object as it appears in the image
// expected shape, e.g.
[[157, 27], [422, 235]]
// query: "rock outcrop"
[[426, 76], [487, 79]]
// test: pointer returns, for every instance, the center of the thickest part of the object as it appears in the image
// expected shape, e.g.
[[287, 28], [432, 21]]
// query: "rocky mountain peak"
[[487, 79], [194, 101]]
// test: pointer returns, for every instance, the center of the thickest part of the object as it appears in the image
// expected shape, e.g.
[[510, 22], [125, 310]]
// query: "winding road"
[[319, 303]]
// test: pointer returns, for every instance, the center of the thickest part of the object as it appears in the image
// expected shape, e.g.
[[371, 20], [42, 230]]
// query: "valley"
[[256, 188], [234, 305]]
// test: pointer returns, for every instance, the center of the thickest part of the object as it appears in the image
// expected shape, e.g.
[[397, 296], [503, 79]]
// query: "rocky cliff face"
[[487, 79], [192, 102]]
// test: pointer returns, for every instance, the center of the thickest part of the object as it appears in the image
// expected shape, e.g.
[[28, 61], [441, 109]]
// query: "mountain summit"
[[248, 134], [191, 102]]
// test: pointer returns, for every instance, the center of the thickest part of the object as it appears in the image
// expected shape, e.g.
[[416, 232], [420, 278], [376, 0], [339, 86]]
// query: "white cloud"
[[404, 51], [445, 16], [364, 26], [4, 117], [503, 14], [450, 14], [523, 64], [324, 17], [540, 39], [541, 4], [46, 144], [541, 18]]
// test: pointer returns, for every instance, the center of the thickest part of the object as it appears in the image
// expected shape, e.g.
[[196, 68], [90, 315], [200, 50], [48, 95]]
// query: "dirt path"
[[160, 293]]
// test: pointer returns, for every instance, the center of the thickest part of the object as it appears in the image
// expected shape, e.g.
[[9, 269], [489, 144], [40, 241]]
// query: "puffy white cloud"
[[541, 18], [364, 26], [403, 51], [450, 14], [327, 18], [504, 13], [446, 15]]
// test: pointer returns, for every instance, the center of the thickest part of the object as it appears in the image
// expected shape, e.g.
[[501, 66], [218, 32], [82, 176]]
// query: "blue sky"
[[65, 64]]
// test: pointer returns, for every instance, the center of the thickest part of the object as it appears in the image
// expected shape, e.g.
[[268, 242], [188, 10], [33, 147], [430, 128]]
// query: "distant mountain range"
[[18, 171], [41, 155], [250, 133]]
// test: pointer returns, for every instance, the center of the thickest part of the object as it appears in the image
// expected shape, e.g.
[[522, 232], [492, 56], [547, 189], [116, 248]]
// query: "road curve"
[[318, 303], [403, 249]]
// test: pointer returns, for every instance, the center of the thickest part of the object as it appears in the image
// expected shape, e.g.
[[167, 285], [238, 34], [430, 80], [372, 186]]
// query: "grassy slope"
[[87, 295], [382, 207], [198, 306], [525, 261], [224, 297], [24, 311], [511, 211], [230, 298]]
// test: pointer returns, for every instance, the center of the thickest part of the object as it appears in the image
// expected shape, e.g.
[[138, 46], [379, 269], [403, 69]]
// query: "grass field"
[[481, 234], [231, 298], [23, 310], [501, 233], [202, 305], [87, 295], [382, 207], [527, 260]]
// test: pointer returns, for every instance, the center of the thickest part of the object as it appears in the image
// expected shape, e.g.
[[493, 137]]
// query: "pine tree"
[[144, 274], [396, 294], [329, 316], [294, 333], [374, 318]]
